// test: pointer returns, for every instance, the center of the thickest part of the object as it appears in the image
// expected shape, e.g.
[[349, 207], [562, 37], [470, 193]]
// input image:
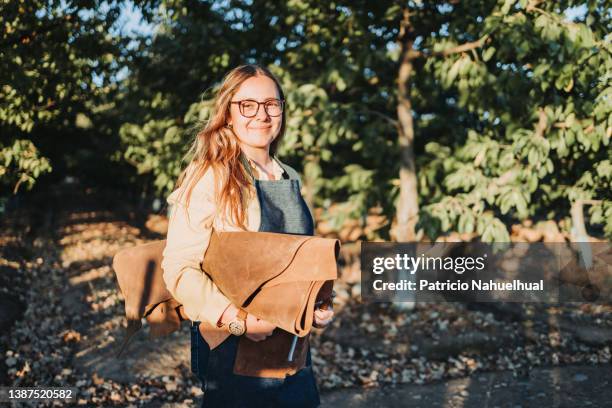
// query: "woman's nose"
[[262, 114]]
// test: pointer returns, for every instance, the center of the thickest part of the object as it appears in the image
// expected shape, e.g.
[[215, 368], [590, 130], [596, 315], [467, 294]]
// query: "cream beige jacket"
[[188, 237]]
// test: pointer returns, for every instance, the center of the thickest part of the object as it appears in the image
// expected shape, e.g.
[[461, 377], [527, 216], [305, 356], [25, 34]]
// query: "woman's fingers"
[[258, 329], [267, 327], [255, 337], [259, 334], [324, 314], [323, 317]]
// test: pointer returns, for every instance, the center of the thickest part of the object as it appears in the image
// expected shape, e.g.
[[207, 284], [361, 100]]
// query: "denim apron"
[[283, 210]]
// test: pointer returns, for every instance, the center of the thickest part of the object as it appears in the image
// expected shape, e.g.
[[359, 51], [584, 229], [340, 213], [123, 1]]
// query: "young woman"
[[233, 182]]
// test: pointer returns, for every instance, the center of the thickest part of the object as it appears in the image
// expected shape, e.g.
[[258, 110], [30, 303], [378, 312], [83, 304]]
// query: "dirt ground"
[[570, 386]]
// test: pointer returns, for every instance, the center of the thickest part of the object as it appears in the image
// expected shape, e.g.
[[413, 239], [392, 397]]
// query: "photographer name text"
[[490, 285]]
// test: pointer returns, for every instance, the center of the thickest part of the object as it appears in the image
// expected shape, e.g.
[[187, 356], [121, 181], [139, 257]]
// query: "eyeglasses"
[[249, 107]]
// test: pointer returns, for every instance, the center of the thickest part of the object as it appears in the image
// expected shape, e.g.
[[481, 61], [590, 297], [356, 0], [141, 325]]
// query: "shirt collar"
[[277, 169]]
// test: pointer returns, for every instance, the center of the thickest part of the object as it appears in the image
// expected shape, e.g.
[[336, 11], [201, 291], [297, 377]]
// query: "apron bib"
[[283, 210]]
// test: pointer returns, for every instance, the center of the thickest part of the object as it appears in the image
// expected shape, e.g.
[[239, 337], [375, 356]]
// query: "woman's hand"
[[256, 329], [323, 317]]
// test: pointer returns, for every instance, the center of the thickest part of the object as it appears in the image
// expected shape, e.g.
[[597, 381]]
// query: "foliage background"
[[510, 101]]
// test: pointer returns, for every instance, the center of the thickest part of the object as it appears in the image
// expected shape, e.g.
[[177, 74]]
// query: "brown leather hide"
[[276, 277]]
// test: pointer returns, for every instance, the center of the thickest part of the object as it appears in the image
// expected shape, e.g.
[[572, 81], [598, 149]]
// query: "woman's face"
[[260, 130]]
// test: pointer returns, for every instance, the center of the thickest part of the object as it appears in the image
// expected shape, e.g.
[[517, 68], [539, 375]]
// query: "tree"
[[57, 62], [532, 102]]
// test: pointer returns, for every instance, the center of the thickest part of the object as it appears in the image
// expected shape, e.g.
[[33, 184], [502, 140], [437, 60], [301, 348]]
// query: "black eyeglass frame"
[[282, 106]]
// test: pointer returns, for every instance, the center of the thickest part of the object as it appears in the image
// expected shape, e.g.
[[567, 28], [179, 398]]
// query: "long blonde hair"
[[216, 146]]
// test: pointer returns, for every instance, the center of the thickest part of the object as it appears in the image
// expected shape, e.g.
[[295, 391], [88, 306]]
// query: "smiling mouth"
[[260, 128]]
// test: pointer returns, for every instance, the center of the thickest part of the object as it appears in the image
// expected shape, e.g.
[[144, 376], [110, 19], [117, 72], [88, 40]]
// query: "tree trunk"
[[408, 207], [309, 183]]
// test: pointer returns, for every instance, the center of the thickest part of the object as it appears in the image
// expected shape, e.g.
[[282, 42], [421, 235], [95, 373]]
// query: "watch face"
[[236, 327]]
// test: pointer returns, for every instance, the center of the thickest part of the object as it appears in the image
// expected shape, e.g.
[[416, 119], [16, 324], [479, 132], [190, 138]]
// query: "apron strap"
[[289, 171], [247, 166]]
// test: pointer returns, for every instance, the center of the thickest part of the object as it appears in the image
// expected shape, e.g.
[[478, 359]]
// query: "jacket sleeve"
[[188, 237]]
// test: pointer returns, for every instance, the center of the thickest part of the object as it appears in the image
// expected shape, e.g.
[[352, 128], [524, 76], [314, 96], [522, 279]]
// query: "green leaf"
[[507, 5], [488, 54]]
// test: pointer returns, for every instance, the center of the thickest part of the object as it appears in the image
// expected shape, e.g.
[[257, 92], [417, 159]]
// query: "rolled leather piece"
[[276, 277], [140, 277], [288, 270]]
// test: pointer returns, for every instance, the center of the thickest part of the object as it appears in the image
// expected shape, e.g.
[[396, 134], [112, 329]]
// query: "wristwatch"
[[237, 327]]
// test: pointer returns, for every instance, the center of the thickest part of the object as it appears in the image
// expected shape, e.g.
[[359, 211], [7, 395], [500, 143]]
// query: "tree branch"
[[542, 123], [381, 115], [449, 51]]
